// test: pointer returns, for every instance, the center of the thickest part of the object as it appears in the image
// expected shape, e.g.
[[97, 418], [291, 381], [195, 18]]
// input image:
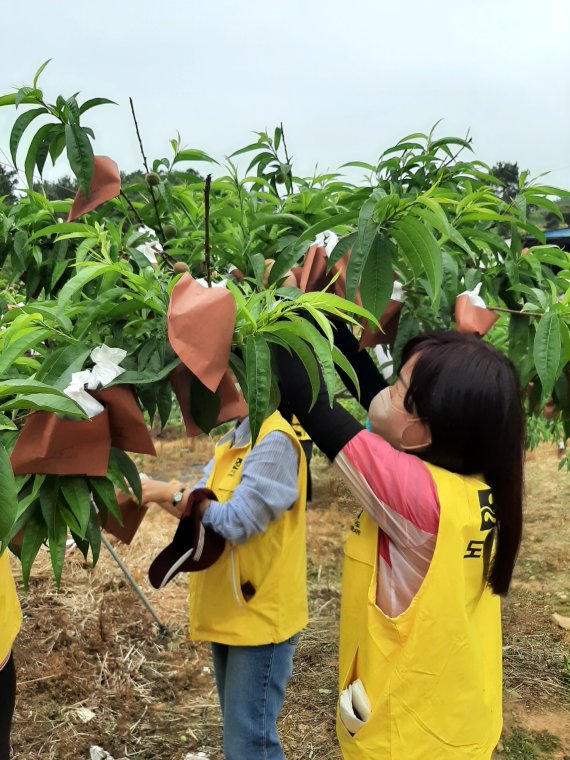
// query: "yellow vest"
[[10, 614], [433, 674], [299, 430], [273, 563]]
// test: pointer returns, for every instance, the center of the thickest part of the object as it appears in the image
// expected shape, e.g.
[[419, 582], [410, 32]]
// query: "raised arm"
[[331, 428], [369, 376]]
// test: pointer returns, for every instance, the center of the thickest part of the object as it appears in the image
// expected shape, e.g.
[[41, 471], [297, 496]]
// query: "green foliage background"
[[427, 212]]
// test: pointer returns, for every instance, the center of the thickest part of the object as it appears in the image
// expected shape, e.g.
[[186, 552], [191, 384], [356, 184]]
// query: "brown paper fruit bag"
[[52, 445], [132, 515], [105, 184], [232, 403], [127, 425], [473, 319]]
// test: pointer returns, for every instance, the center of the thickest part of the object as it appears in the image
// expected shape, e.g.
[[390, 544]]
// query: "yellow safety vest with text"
[[299, 430], [10, 614], [433, 674], [272, 564]]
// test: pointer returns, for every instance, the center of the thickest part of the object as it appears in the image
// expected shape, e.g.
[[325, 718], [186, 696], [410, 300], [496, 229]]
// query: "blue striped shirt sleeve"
[[267, 489]]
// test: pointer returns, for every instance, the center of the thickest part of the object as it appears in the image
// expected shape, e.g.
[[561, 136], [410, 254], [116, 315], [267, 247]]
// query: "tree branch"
[[207, 257], [150, 187]]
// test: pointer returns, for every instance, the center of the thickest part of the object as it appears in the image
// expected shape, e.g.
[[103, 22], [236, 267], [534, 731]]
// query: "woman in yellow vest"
[[439, 480], [10, 620], [251, 603]]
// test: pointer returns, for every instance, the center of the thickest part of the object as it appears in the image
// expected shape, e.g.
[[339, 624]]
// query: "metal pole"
[[135, 586]]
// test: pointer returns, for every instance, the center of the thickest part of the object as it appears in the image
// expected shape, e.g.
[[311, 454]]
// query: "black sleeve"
[[330, 428], [369, 376]]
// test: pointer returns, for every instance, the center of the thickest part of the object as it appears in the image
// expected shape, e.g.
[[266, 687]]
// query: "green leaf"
[[77, 496], [38, 73], [93, 102], [78, 281], [287, 259], [323, 352], [80, 155], [282, 220], [43, 149], [20, 126], [35, 533], [94, 535], [246, 149], [277, 138], [421, 251], [22, 94], [367, 228], [105, 497], [164, 402], [46, 402], [129, 470], [204, 405], [336, 220], [31, 156], [11, 387], [58, 366], [290, 337], [56, 525], [258, 265], [261, 160], [131, 377], [8, 496], [20, 343], [193, 155], [72, 111], [342, 362], [30, 96], [518, 339], [36, 482], [64, 227], [57, 143], [333, 304], [360, 165], [343, 245], [547, 351], [6, 424], [258, 367], [81, 543], [376, 283], [450, 276]]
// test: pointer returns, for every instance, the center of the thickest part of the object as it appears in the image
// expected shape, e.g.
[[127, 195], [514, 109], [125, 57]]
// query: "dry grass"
[[93, 668]]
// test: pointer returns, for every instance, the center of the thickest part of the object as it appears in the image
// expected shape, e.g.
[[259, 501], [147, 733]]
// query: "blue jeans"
[[251, 685]]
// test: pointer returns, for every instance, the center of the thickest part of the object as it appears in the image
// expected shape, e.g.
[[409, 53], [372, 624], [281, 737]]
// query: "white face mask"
[[395, 424]]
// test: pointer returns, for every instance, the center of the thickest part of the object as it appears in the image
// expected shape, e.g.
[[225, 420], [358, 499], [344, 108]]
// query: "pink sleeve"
[[395, 488]]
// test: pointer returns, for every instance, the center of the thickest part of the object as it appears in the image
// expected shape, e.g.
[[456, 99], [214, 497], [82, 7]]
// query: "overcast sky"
[[347, 77]]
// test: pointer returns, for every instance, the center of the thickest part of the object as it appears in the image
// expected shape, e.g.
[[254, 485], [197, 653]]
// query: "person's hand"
[[159, 491]]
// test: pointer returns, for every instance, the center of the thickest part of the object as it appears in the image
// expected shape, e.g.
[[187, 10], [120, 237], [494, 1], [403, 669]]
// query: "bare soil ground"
[[93, 668]]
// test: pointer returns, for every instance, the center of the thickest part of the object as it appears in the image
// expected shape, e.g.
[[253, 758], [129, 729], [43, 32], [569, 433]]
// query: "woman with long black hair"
[[440, 483]]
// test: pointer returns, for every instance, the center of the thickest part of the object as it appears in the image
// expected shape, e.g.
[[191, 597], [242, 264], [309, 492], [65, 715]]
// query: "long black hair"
[[467, 392]]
